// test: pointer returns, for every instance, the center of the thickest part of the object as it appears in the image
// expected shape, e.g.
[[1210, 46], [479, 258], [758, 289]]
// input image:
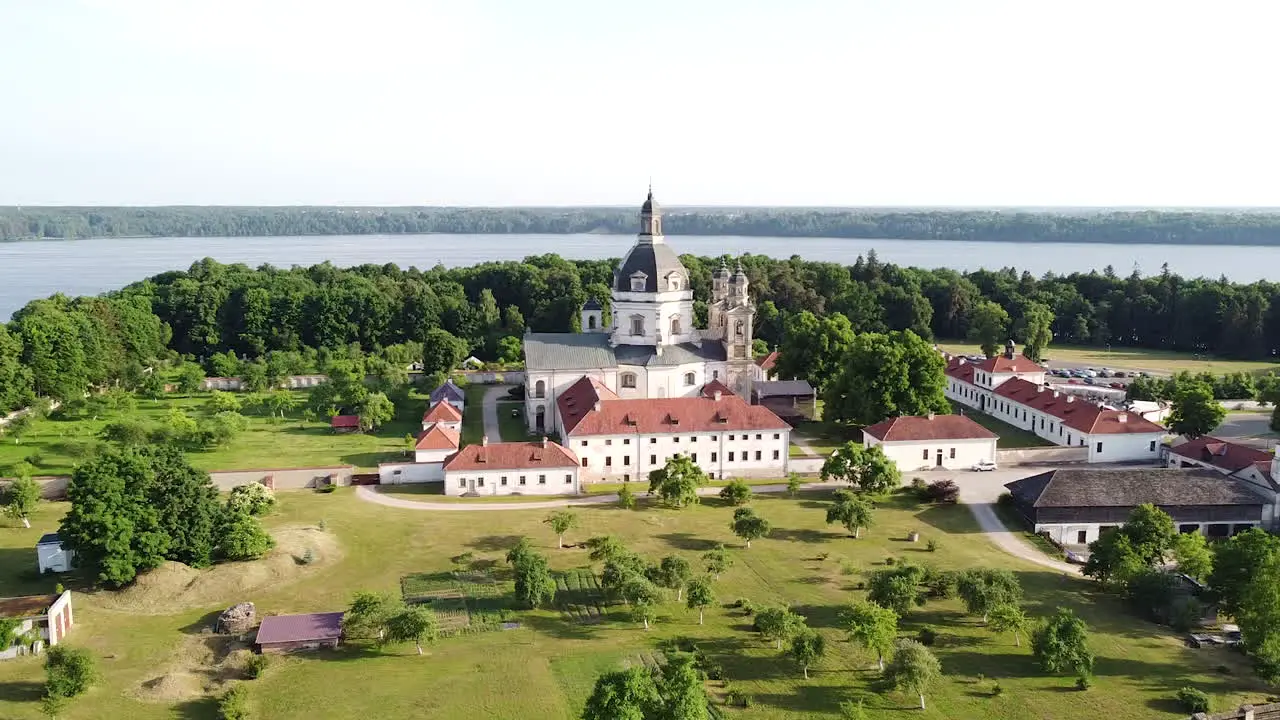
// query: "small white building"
[[619, 439], [434, 446], [513, 468], [51, 556], [43, 620], [443, 414], [935, 441]]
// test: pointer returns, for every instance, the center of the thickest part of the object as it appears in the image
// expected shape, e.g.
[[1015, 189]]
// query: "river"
[[35, 269]]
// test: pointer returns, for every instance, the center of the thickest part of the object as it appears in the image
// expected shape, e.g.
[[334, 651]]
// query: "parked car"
[[1090, 381], [1118, 373], [1104, 373], [984, 466], [1073, 381], [1118, 386], [1091, 373]]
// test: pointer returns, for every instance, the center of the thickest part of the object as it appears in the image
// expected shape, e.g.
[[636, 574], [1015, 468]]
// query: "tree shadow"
[[687, 541], [200, 709], [819, 616], [21, 692], [804, 535], [494, 543], [806, 698], [951, 519], [204, 625], [562, 629], [370, 459], [1166, 705]]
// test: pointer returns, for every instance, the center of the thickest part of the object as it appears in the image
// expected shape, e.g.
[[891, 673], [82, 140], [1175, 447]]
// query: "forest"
[[215, 313], [1084, 226]]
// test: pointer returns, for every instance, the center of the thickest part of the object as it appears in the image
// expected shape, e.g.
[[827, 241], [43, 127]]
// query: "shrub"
[[256, 666], [822, 557], [932, 545], [242, 538], [737, 698], [59, 589], [1084, 682], [997, 689], [853, 710], [254, 498], [927, 636], [942, 491], [234, 703], [889, 561], [1193, 700], [848, 568], [918, 485], [942, 584], [747, 607], [327, 489], [1005, 500]]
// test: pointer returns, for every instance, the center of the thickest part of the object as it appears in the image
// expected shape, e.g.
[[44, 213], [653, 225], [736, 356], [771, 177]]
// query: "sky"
[[582, 102]]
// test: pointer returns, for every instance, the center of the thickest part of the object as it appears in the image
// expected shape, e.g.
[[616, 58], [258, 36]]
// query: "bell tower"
[[738, 314]]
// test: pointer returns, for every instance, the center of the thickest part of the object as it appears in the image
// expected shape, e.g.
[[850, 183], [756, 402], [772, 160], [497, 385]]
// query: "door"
[[471, 485], [939, 463], [541, 419]]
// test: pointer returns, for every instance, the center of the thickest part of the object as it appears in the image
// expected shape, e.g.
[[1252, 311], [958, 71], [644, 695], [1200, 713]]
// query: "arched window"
[[675, 325], [591, 322], [540, 389], [688, 379], [737, 328], [628, 380], [637, 325], [673, 282], [540, 418]]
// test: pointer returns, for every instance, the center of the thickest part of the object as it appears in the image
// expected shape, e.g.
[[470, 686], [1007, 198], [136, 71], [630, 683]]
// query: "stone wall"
[[1270, 711], [284, 478], [1042, 455]]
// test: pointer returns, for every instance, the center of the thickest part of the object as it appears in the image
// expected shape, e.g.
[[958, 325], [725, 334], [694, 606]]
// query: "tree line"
[[288, 320], [1150, 226]]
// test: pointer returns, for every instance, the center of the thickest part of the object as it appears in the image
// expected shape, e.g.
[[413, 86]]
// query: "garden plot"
[[579, 596]]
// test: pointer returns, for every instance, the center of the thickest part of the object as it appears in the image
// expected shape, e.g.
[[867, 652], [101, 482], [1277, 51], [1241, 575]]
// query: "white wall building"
[[434, 446], [1260, 469], [444, 414], [617, 439], [1012, 388], [45, 618], [517, 468], [933, 441], [51, 556], [450, 393]]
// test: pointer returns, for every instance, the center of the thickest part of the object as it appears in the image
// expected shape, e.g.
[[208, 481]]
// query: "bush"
[[242, 538], [932, 545], [942, 585], [942, 491], [1005, 500], [737, 698], [997, 689], [927, 636], [254, 498], [256, 666], [889, 561], [918, 485], [1084, 682], [327, 489], [234, 703], [848, 568], [853, 710], [1193, 700]]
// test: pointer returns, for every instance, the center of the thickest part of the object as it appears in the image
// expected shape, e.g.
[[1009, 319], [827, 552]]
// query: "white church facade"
[[650, 348]]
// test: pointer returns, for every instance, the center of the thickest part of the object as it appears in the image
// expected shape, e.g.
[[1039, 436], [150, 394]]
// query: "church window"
[[715, 374], [540, 389], [591, 322], [673, 283], [637, 282], [737, 328], [628, 380], [688, 379], [637, 325], [675, 325]]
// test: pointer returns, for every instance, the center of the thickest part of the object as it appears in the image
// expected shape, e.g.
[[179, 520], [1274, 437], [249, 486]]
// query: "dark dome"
[[592, 304], [650, 205], [655, 260]]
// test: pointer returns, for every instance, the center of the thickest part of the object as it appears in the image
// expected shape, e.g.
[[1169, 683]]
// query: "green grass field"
[[59, 445], [1121, 358], [1010, 436], [157, 664]]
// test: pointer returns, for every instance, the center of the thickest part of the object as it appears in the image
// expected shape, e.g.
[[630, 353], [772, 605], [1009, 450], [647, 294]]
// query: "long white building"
[[1012, 388]]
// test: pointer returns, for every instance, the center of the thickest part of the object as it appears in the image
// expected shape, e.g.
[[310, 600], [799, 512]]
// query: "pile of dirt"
[[174, 587], [171, 687], [201, 665]]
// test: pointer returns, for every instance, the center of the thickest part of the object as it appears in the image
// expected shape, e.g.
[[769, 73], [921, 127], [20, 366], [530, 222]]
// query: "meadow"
[[157, 661], [1161, 362]]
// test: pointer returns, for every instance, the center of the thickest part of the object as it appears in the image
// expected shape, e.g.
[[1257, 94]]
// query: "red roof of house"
[[299, 628], [438, 437], [344, 421], [1222, 454], [1004, 364], [442, 412], [937, 427], [767, 362], [1074, 412], [960, 369], [512, 456], [586, 411], [710, 389]]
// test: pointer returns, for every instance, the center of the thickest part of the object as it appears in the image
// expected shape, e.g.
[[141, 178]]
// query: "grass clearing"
[[821, 437], [804, 562], [1010, 436], [1124, 358]]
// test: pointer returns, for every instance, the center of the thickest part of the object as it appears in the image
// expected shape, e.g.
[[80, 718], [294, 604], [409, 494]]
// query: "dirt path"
[[985, 514], [490, 411]]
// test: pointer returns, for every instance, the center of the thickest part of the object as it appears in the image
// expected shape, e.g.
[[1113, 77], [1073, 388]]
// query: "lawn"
[[545, 670], [1122, 358], [56, 446], [822, 437], [1010, 436]]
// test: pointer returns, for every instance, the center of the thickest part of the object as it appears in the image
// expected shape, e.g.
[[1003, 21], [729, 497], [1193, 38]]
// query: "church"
[[650, 348]]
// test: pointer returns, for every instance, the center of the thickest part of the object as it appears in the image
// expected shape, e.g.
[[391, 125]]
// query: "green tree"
[[442, 351], [561, 522], [69, 671], [717, 560], [127, 431], [369, 614], [1151, 531], [21, 497], [604, 548], [677, 482], [897, 588], [985, 588], [190, 378], [1193, 555], [413, 623], [642, 596], [234, 703], [700, 595], [737, 492], [1195, 411], [150, 385], [253, 498], [623, 695], [510, 349], [376, 410], [852, 512], [1008, 617], [871, 626], [222, 402], [886, 375], [1037, 321], [914, 668], [794, 484], [865, 468], [680, 687], [626, 498], [673, 573], [1112, 559], [16, 388], [242, 537], [534, 584], [807, 647], [1061, 644], [815, 346], [748, 526], [778, 624], [1236, 562], [989, 327], [1259, 615]]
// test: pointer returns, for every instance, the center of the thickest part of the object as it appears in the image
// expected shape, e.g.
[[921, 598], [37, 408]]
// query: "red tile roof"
[[767, 362], [1074, 412], [709, 390], [345, 421], [579, 413], [442, 412], [938, 427], [960, 369], [1222, 454], [512, 456], [438, 437], [1005, 364], [299, 628]]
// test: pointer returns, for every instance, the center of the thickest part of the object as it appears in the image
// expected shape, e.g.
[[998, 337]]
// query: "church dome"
[[656, 261], [650, 205]]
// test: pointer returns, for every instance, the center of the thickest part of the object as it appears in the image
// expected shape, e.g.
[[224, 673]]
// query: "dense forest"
[[1227, 228], [60, 346]]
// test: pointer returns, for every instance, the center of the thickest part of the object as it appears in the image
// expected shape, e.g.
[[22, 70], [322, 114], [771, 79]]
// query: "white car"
[[984, 466]]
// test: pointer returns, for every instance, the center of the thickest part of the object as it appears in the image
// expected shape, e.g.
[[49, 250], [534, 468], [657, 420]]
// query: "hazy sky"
[[867, 102]]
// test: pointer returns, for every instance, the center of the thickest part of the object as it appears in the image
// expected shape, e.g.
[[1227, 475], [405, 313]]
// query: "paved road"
[[373, 494], [492, 395], [1251, 426], [979, 491]]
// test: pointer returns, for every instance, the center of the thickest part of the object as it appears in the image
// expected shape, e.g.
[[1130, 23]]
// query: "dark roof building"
[[447, 392], [281, 633]]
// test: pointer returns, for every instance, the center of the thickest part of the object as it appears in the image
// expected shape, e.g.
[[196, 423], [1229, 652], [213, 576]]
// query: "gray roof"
[[447, 391], [584, 351], [1164, 487], [591, 304], [787, 388], [655, 260], [49, 539]]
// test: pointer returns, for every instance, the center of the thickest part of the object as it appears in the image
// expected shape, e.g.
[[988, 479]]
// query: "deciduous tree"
[[1008, 617], [717, 560], [989, 327], [778, 624], [865, 468], [897, 588], [1061, 644], [737, 492], [624, 695], [534, 584], [22, 496], [673, 573], [886, 375], [985, 588], [852, 512], [69, 672], [368, 615], [561, 522], [871, 626], [807, 647], [1193, 555], [748, 526], [413, 623], [1195, 411], [1037, 322], [677, 482], [700, 595], [914, 668], [1236, 562]]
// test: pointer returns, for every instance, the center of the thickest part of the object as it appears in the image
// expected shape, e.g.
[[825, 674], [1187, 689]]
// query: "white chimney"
[[484, 440], [1122, 417], [1056, 393], [1071, 398], [1039, 388], [544, 441], [716, 395], [931, 416], [596, 405], [963, 361]]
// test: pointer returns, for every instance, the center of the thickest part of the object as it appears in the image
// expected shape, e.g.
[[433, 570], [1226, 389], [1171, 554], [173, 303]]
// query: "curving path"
[[1010, 542]]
